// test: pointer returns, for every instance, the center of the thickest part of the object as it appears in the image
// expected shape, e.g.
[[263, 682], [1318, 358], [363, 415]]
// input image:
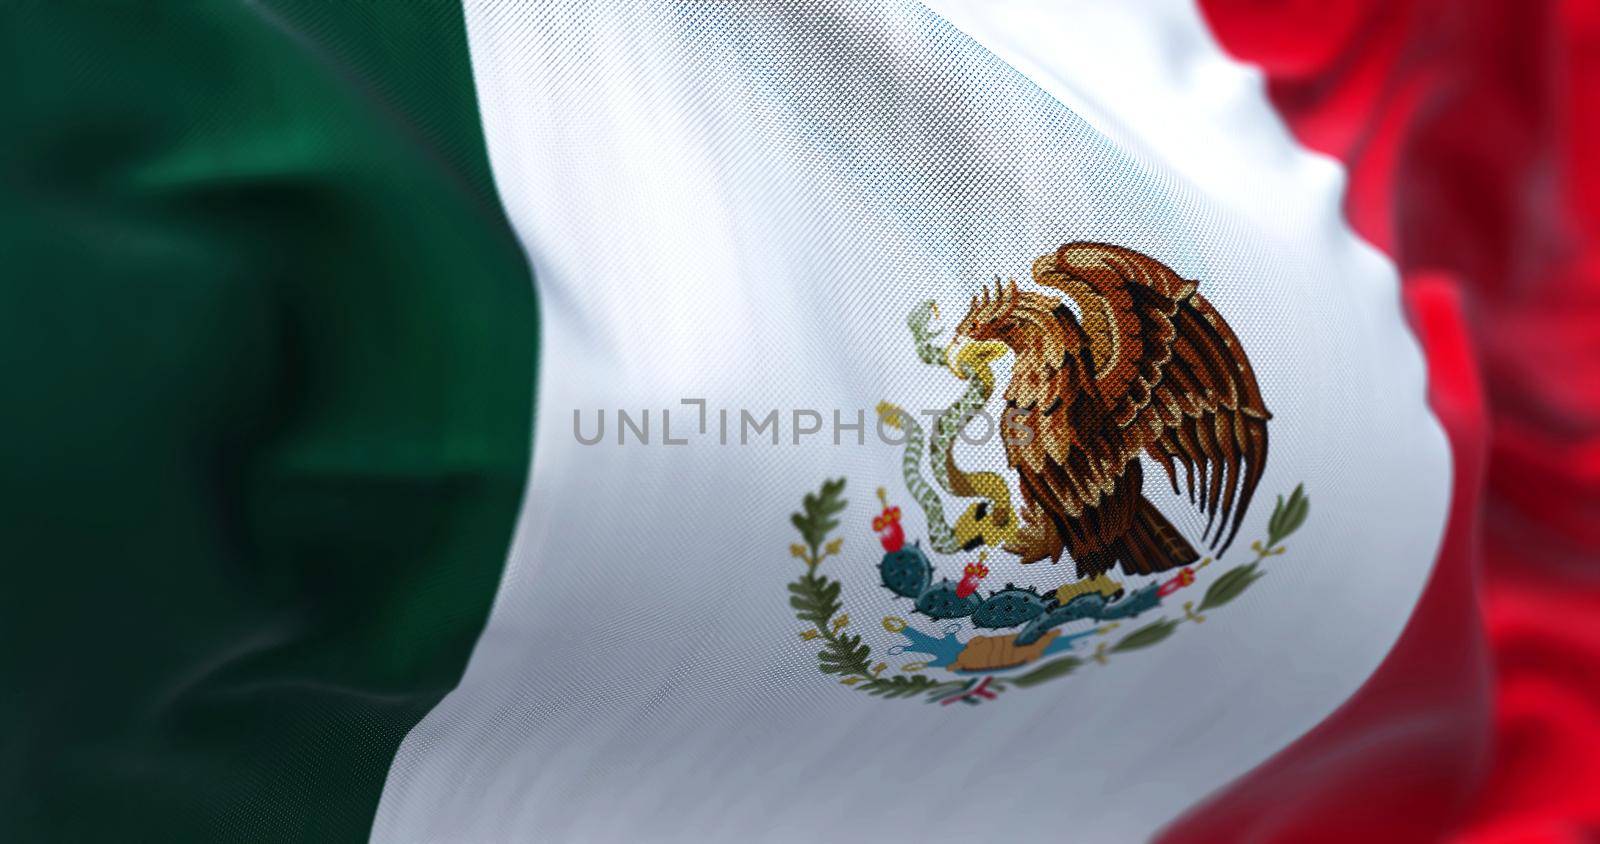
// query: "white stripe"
[[742, 203]]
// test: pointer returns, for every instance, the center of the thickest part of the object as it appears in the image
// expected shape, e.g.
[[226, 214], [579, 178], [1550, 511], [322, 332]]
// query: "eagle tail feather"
[[1152, 544]]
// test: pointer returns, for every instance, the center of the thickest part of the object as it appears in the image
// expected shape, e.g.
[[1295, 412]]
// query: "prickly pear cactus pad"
[[1030, 637]]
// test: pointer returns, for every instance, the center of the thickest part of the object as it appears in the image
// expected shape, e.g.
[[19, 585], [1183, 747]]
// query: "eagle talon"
[[1033, 542]]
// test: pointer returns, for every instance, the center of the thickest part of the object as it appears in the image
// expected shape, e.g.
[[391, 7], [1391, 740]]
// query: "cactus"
[[908, 573], [1090, 605], [1010, 607], [941, 601]]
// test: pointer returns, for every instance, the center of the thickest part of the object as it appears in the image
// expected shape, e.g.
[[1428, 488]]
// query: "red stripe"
[[1471, 133]]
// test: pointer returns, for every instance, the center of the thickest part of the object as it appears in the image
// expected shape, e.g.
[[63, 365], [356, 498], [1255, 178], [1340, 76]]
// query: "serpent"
[[987, 522]]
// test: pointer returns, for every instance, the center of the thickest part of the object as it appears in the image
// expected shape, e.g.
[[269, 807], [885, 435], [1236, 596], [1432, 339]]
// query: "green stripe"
[[268, 352]]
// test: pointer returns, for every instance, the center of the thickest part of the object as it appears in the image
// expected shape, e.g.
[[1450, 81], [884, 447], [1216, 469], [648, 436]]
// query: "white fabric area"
[[741, 203]]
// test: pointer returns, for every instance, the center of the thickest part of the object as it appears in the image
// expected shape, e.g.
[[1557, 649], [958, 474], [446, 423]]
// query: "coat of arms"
[[1139, 367]]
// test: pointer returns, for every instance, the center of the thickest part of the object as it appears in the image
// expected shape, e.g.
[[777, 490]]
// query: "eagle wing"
[[1154, 369], [1072, 469]]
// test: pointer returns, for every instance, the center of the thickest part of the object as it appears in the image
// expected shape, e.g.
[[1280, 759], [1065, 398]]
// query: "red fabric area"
[[1471, 134]]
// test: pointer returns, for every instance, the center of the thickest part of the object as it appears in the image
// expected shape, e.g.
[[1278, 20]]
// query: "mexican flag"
[[955, 420]]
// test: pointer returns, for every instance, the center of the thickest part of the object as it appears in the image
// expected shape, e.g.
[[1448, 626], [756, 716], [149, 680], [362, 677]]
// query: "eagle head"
[[981, 337]]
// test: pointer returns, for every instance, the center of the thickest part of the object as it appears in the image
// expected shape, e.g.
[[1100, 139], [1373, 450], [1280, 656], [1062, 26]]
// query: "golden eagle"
[[1150, 369]]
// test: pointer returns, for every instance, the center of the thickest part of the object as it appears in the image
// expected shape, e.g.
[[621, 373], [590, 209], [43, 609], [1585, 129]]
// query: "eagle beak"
[[967, 357], [953, 353]]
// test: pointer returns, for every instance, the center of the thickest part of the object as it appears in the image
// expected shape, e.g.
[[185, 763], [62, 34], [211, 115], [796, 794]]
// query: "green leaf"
[[844, 655], [1049, 671], [815, 599], [818, 510], [899, 685], [1288, 516], [1147, 635], [1230, 585], [1301, 508]]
